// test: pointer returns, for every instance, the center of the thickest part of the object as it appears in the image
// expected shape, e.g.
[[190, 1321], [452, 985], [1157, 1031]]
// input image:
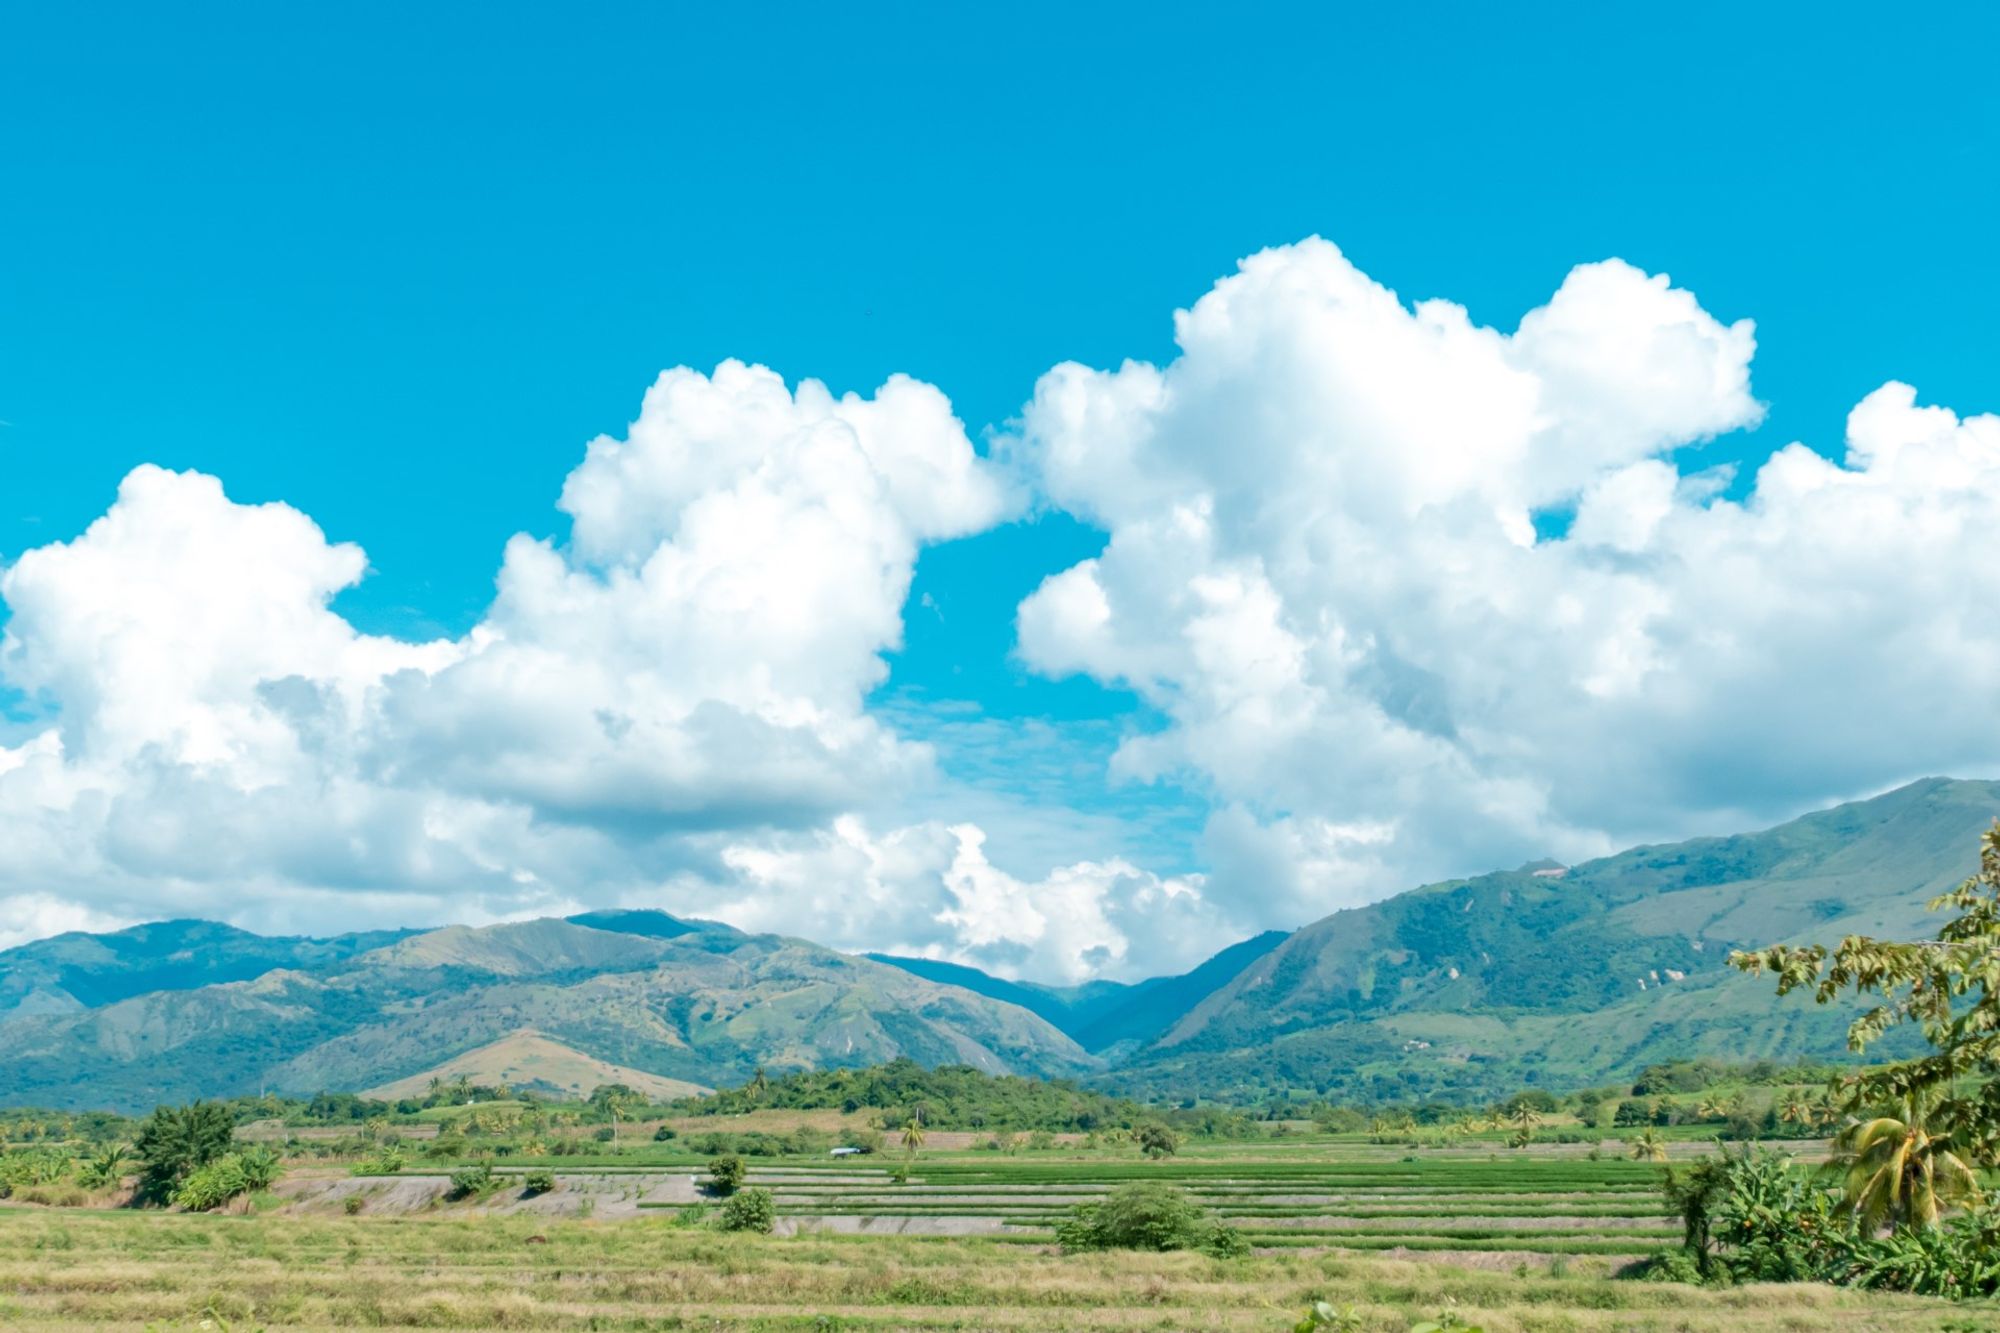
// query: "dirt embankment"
[[581, 1193]]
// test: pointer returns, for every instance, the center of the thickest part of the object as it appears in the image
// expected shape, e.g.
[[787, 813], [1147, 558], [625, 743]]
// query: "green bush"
[[351, 1205], [749, 1210], [538, 1182], [663, 1134], [1667, 1266], [470, 1181], [1960, 1259], [211, 1186], [1147, 1217], [725, 1176], [260, 1168], [388, 1163]]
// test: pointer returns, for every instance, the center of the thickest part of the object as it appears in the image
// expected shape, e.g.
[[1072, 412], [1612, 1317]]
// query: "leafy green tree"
[[725, 1175], [176, 1141], [1157, 1141], [1147, 1216], [613, 1100], [749, 1210], [1946, 1116], [471, 1181], [1696, 1193]]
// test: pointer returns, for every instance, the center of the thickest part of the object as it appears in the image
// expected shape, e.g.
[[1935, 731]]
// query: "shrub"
[[351, 1204], [605, 1134], [211, 1186], [1959, 1259], [260, 1168], [725, 1176], [538, 1182], [749, 1210], [469, 1181], [1666, 1266], [1157, 1141], [105, 1168], [1147, 1217], [663, 1134]]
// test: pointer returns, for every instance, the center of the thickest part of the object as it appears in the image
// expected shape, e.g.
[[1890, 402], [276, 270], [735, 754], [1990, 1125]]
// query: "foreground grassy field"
[[77, 1270], [1509, 1242]]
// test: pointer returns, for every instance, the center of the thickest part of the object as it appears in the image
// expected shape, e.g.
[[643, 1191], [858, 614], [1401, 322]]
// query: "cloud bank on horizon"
[[1411, 597]]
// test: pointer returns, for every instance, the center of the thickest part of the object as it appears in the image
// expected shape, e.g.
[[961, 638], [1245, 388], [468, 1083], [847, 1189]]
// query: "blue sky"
[[394, 267]]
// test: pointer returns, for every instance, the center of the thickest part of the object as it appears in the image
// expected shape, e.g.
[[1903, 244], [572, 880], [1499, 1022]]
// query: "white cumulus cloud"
[[1324, 569], [667, 709]]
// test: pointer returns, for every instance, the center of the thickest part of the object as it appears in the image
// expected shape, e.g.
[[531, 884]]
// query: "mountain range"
[[1549, 975]]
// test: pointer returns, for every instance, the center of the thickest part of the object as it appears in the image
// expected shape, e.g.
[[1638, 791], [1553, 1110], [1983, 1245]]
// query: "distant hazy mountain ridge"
[[1471, 987], [702, 1005]]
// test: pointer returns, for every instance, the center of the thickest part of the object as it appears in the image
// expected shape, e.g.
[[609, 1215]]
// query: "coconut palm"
[[1897, 1173], [1649, 1147], [913, 1135], [1794, 1109]]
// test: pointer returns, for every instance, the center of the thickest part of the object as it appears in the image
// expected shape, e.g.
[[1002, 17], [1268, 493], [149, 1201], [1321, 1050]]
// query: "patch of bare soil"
[[609, 1196]]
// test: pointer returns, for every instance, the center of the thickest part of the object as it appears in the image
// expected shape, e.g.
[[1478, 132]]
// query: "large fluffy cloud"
[[1418, 597], [666, 709]]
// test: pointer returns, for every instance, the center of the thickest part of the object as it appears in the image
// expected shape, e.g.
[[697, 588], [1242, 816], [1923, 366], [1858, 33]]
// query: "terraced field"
[[1510, 1205]]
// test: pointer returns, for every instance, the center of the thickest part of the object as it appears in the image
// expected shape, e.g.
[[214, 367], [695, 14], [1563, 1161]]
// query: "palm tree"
[[1649, 1147], [913, 1135], [614, 1102], [1794, 1109], [1524, 1118], [1710, 1109], [1899, 1174]]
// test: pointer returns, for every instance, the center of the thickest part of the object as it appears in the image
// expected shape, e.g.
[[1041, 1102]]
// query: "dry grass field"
[[103, 1270]]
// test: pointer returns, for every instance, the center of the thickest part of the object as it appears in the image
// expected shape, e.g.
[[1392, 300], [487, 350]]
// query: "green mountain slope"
[[705, 1006], [74, 971], [1149, 1008], [1480, 985]]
